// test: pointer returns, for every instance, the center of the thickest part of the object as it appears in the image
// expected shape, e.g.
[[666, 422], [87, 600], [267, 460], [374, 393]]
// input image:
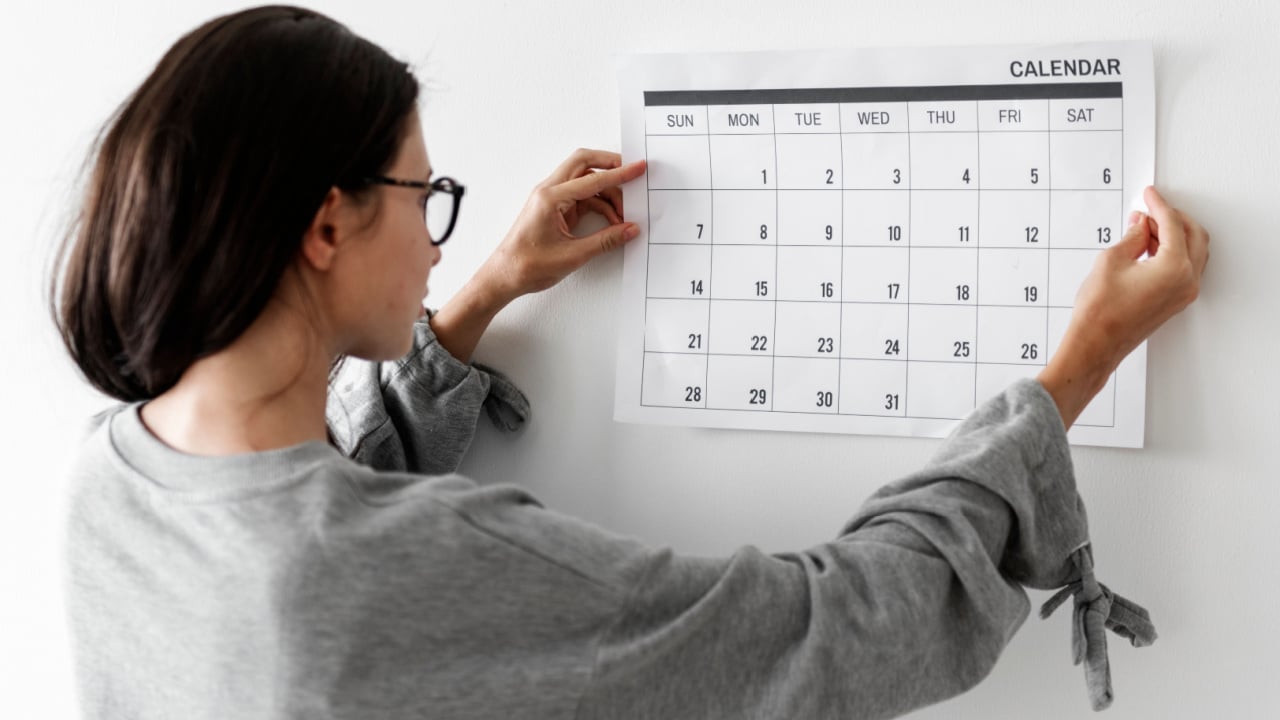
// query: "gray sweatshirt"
[[368, 581]]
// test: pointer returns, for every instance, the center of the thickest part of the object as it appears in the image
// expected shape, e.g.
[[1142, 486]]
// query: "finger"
[[614, 196], [598, 205], [580, 161], [603, 241], [1169, 225], [1197, 245], [1153, 231], [595, 183]]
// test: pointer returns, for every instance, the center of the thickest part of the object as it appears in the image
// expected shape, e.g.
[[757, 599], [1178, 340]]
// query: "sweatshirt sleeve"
[[910, 605], [418, 413]]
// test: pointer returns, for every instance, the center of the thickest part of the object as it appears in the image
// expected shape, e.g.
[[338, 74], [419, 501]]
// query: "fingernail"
[[1134, 217], [631, 232]]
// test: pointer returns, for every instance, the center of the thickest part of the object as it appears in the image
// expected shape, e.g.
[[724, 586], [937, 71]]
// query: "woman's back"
[[297, 583]]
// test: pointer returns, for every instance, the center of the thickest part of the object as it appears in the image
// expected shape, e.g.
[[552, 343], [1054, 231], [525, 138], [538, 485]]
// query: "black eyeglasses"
[[439, 224]]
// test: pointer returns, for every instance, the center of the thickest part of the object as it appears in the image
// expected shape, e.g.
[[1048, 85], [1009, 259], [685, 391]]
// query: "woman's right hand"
[[541, 249], [1124, 299]]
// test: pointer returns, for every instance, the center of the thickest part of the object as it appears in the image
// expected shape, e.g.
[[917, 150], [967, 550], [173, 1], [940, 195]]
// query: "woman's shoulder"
[[92, 448], [98, 421]]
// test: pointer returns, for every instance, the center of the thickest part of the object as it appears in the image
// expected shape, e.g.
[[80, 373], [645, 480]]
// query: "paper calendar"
[[872, 241]]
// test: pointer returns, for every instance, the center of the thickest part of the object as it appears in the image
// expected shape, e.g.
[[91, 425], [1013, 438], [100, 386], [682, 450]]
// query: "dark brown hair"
[[204, 181]]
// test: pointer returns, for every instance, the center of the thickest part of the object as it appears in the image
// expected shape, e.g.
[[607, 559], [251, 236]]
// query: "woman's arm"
[[912, 604], [920, 594]]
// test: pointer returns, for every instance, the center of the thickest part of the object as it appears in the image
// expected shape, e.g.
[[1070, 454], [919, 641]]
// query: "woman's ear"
[[320, 241]]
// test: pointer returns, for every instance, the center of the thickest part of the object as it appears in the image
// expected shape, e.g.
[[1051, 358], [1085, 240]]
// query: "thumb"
[[606, 240], [1169, 229], [1136, 238]]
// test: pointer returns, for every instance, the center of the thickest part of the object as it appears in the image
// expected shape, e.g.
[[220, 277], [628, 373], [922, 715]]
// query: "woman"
[[254, 535]]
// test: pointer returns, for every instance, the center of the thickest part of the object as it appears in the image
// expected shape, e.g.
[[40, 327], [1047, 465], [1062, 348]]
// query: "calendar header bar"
[[1030, 91]]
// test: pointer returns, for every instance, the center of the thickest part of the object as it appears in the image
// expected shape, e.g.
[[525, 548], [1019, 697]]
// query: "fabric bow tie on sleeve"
[[1097, 609]]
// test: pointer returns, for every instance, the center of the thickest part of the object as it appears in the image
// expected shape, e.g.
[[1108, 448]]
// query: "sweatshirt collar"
[[174, 470]]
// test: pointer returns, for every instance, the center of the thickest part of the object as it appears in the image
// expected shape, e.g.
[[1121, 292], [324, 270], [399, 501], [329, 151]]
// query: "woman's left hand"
[[541, 248]]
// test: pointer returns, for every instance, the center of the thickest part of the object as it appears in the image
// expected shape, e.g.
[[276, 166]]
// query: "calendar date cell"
[[808, 329], [806, 385], [876, 161], [809, 218], [680, 216], [674, 380], [679, 271], [745, 217], [940, 390], [740, 327], [740, 383], [942, 334], [744, 273], [809, 162], [1014, 336], [678, 162], [874, 332], [1014, 276], [873, 387], [876, 275], [676, 326]]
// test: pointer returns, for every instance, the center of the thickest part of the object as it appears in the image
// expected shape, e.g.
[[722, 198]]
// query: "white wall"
[[1186, 526]]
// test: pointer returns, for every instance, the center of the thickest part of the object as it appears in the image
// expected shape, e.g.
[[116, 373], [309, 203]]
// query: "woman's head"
[[244, 152]]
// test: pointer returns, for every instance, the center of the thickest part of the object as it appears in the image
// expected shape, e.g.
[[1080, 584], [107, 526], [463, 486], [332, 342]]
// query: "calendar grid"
[[711, 266], [906, 366], [933, 189], [872, 302], [977, 257], [1048, 275], [853, 245], [730, 309], [773, 362], [846, 357], [855, 414], [839, 365], [1124, 224]]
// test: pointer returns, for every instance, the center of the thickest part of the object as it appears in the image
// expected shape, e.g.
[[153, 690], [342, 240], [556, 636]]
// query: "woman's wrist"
[[1075, 374], [459, 325], [485, 293], [493, 285]]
